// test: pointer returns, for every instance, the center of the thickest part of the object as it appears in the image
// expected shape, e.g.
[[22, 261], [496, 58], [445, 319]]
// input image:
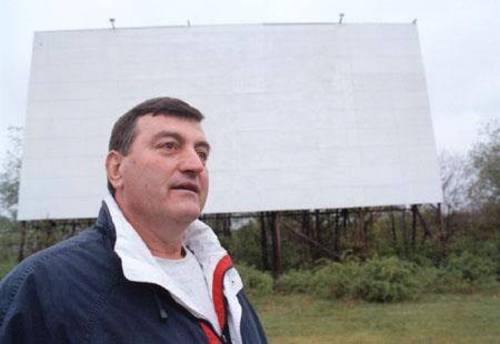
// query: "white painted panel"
[[299, 116]]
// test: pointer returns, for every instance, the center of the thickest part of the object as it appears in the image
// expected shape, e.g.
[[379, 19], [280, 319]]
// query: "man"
[[148, 271]]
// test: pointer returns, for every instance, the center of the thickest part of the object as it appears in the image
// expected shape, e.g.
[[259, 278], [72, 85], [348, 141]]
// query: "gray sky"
[[460, 42]]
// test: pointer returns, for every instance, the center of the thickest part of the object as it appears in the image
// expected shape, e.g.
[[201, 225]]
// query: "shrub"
[[450, 282], [256, 282], [378, 280], [336, 280], [463, 273], [296, 281], [386, 280], [426, 277], [492, 251], [471, 267]]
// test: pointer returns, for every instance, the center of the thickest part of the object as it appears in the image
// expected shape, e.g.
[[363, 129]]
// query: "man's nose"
[[191, 162]]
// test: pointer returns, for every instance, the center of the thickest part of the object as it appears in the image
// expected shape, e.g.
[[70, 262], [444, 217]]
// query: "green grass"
[[437, 319]]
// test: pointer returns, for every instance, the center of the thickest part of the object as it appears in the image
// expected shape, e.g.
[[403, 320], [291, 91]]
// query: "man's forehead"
[[151, 128], [159, 122]]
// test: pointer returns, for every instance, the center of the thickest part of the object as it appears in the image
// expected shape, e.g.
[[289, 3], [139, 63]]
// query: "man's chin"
[[188, 214]]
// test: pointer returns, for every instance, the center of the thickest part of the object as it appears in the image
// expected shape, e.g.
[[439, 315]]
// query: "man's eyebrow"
[[175, 135], [166, 133]]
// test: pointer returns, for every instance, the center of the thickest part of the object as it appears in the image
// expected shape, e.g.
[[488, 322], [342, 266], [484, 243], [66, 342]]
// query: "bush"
[[378, 280], [387, 280], [255, 282], [296, 281], [449, 282], [471, 267], [336, 280], [426, 278]]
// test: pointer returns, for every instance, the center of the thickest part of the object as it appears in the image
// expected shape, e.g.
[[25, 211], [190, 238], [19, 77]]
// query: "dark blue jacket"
[[75, 292]]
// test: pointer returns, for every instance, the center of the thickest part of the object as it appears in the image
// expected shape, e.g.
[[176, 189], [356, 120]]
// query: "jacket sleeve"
[[21, 316], [250, 324]]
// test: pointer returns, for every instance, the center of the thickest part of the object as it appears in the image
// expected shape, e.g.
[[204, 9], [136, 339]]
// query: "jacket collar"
[[139, 265]]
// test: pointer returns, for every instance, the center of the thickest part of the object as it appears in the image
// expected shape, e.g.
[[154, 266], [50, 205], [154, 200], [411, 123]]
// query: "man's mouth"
[[187, 186]]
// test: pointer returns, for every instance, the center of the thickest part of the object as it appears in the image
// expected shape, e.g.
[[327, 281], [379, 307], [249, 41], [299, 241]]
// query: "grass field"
[[437, 319]]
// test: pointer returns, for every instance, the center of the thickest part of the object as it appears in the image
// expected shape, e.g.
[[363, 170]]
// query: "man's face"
[[164, 175]]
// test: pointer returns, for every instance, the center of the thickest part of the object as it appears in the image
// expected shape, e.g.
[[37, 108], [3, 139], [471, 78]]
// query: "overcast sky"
[[460, 42]]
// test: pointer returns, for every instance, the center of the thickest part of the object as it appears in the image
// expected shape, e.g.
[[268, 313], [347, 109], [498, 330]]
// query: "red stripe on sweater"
[[209, 332], [217, 289]]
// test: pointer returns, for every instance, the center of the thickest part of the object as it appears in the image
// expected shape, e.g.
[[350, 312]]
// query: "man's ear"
[[114, 160]]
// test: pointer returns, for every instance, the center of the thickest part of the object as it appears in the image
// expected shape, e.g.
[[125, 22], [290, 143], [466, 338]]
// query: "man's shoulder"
[[66, 253], [63, 265], [61, 284]]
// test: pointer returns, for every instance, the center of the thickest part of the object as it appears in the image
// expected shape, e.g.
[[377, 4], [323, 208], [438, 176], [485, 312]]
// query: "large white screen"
[[299, 116]]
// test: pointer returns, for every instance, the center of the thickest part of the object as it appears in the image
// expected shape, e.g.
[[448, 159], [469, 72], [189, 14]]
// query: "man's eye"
[[168, 146], [203, 155]]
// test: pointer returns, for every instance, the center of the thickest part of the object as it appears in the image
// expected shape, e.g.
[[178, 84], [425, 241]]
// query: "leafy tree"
[[485, 158], [9, 177], [9, 186], [456, 180]]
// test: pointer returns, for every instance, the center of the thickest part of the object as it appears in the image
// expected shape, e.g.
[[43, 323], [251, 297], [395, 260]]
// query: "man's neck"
[[159, 245], [163, 237]]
